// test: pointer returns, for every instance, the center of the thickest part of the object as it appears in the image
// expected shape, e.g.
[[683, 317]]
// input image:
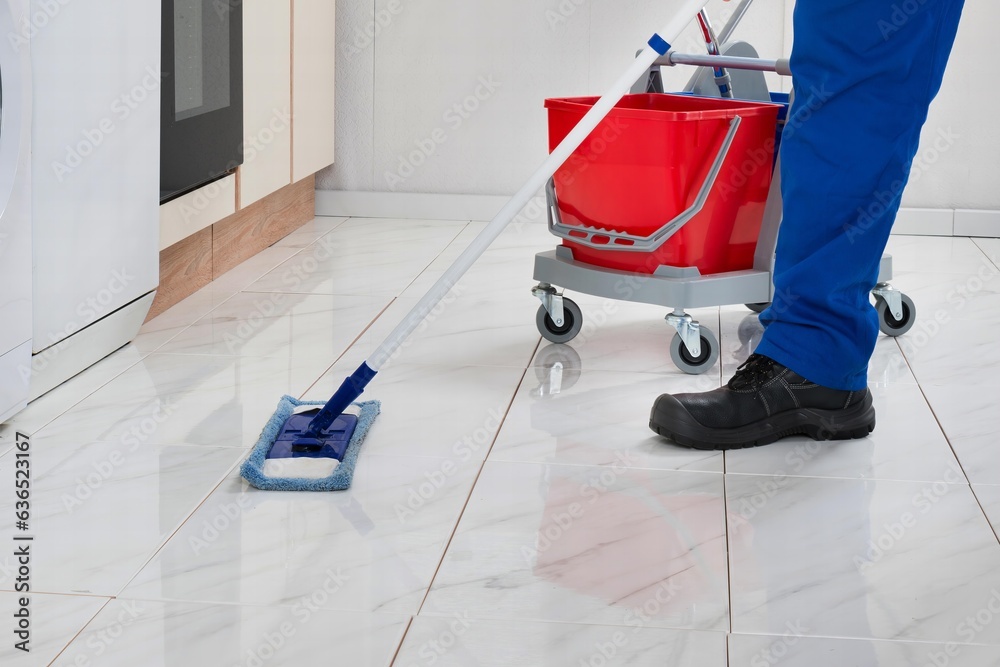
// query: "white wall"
[[397, 91]]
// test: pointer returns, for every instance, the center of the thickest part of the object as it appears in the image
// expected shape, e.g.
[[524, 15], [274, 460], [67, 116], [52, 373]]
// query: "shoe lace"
[[751, 372]]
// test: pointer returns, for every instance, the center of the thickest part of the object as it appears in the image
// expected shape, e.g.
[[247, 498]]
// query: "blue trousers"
[[864, 74]]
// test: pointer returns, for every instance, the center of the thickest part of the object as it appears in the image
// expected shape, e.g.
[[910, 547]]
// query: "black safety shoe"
[[763, 402]]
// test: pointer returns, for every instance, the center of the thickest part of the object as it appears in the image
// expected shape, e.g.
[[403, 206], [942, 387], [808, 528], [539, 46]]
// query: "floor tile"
[[372, 548], [56, 402], [928, 254], [316, 327], [54, 622], [179, 317], [186, 399], [944, 298], [859, 559], [453, 412], [581, 544], [792, 650], [505, 267], [988, 496], [907, 444], [565, 415], [459, 331], [163, 634], [99, 511], [959, 353], [990, 248], [363, 257], [461, 641], [968, 415], [310, 232]]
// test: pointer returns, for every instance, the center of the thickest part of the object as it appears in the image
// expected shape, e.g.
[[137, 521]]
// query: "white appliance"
[[95, 179], [15, 211]]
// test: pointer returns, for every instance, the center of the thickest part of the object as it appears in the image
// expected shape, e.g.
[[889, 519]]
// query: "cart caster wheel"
[[695, 365], [758, 307], [889, 325], [572, 323]]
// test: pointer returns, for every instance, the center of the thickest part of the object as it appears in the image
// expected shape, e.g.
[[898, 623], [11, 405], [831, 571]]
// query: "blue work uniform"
[[864, 74]]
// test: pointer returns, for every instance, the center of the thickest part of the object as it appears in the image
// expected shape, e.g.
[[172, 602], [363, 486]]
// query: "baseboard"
[[58, 363], [420, 206], [407, 205], [977, 223], [193, 262], [925, 222]]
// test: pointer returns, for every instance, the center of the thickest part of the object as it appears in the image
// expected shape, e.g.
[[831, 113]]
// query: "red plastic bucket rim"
[[711, 108]]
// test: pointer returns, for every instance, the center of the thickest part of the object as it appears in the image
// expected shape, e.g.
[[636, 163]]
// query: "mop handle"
[[354, 385], [658, 46]]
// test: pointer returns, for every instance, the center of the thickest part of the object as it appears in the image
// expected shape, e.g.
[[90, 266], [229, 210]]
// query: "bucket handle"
[[630, 242]]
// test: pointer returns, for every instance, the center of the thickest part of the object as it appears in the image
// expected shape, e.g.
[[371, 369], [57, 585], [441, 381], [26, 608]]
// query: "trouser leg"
[[864, 74]]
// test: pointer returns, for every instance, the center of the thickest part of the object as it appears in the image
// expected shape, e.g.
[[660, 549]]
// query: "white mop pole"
[[355, 384], [563, 151]]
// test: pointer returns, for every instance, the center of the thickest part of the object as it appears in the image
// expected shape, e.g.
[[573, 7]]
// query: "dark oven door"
[[201, 128]]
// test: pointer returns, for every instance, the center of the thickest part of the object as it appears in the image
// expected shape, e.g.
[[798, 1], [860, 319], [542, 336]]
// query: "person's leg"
[[864, 73]]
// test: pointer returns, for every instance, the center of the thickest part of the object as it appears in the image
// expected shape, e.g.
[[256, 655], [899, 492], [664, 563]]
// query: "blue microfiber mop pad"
[[340, 479]]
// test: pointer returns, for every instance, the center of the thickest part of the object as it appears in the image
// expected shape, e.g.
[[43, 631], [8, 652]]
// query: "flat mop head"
[[280, 462]]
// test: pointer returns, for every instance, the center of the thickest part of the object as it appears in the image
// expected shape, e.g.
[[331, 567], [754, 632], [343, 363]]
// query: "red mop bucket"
[[646, 164]]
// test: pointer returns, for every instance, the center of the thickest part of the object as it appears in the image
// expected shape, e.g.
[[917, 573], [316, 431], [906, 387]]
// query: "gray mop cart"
[[731, 69]]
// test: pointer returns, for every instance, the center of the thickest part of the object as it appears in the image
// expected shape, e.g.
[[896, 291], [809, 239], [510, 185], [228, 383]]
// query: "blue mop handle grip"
[[349, 392]]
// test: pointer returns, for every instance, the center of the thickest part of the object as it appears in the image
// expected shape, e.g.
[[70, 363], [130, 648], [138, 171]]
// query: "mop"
[[307, 448]]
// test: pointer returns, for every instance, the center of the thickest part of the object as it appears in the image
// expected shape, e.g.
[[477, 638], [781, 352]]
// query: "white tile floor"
[[510, 506]]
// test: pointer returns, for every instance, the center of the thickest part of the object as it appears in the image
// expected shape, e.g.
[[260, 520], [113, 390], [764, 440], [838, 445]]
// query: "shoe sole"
[[672, 421]]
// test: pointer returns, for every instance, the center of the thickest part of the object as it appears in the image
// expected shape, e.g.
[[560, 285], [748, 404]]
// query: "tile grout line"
[[350, 345], [947, 439], [180, 524], [402, 640], [479, 473], [80, 631], [384, 309]]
